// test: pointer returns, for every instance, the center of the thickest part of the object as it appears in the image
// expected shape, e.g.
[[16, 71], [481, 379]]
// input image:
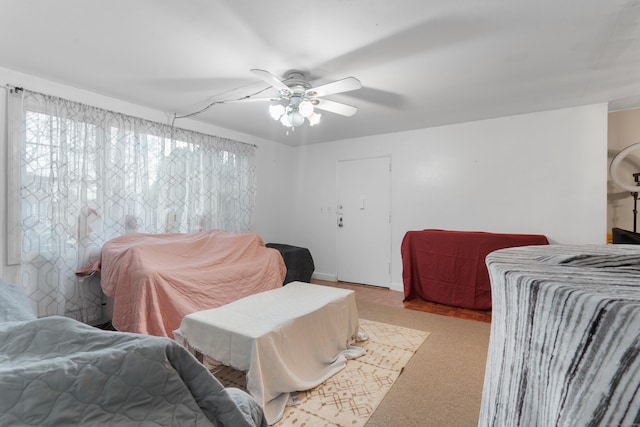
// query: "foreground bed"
[[565, 337], [157, 279], [57, 371]]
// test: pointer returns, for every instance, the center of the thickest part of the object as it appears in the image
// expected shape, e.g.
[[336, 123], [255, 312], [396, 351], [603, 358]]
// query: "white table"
[[287, 339]]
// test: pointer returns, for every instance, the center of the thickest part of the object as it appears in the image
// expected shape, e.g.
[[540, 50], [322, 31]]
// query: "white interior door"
[[364, 221]]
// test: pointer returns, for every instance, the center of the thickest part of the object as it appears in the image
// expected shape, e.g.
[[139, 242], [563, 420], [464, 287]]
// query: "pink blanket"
[[157, 279]]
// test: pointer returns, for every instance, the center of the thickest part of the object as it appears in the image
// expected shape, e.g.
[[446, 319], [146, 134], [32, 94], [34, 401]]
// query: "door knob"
[[340, 224]]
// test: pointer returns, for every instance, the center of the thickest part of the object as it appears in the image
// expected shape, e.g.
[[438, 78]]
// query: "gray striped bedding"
[[565, 337]]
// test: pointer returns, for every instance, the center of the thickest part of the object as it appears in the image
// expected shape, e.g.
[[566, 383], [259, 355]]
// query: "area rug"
[[349, 397]]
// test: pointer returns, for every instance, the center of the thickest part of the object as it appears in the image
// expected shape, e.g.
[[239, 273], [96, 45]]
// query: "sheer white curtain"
[[88, 175]]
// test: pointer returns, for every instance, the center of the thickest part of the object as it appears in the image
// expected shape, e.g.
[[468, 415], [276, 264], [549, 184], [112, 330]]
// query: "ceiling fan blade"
[[342, 85], [271, 79], [335, 107]]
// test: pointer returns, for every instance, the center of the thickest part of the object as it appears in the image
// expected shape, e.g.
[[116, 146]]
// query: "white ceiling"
[[422, 63]]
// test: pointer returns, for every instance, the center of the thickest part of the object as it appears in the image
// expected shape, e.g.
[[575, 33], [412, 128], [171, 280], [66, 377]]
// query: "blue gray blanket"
[[56, 371]]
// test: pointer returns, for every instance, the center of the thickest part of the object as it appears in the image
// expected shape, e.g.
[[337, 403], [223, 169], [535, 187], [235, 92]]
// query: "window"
[[88, 175]]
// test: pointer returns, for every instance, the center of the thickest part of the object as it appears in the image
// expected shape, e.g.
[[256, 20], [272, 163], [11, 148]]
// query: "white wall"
[[273, 161], [275, 173], [624, 130], [542, 173]]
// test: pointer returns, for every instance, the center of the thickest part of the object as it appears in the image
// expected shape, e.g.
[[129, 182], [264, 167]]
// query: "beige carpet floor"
[[441, 386], [403, 380]]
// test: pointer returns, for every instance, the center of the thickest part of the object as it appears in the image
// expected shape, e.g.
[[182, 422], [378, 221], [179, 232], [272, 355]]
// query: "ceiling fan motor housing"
[[298, 85]]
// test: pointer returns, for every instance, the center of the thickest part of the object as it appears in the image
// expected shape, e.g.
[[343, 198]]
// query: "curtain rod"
[[16, 89], [13, 89]]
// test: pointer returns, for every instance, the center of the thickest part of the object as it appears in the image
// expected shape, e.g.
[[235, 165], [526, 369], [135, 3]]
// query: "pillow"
[[14, 304]]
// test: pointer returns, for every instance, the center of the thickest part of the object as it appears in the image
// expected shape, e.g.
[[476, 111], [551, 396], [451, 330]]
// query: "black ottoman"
[[298, 261]]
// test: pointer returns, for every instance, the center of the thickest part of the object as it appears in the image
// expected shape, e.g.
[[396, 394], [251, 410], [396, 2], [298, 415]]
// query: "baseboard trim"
[[324, 276], [396, 287]]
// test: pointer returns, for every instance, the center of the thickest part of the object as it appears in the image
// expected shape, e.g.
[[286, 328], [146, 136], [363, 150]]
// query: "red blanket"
[[157, 279], [448, 267]]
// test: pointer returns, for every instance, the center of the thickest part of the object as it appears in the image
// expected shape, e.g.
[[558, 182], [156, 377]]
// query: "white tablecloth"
[[287, 339]]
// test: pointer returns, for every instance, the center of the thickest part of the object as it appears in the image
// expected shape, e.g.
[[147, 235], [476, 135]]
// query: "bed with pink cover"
[[157, 279]]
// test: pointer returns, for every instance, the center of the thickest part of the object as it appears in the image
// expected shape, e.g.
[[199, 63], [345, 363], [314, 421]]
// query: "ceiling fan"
[[298, 99]]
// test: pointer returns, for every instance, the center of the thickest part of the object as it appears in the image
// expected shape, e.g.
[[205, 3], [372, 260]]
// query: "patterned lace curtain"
[[89, 175]]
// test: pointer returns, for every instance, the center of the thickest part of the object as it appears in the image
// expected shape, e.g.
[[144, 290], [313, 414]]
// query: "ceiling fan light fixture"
[[276, 111], [295, 118], [295, 100], [314, 119], [305, 108], [284, 119]]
